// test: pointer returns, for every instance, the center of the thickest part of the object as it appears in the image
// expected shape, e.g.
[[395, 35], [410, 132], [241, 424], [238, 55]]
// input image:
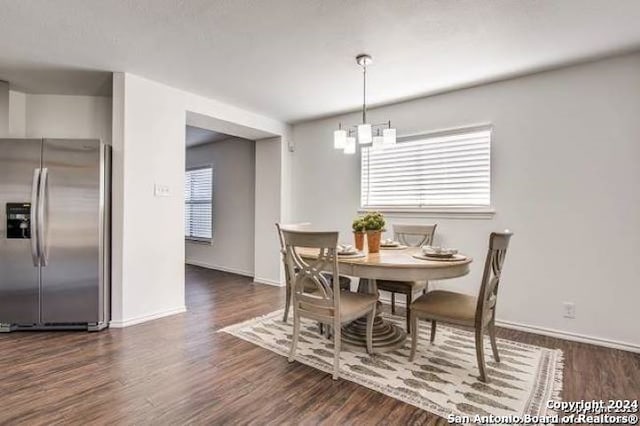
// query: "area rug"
[[443, 377]]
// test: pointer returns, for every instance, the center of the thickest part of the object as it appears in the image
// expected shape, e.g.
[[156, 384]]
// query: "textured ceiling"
[[293, 59]]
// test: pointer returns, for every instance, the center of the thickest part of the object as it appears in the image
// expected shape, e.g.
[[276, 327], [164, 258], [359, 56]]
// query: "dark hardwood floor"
[[179, 370]]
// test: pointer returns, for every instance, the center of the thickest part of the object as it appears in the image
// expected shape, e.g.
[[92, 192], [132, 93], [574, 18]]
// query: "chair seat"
[[400, 286], [355, 305], [447, 306]]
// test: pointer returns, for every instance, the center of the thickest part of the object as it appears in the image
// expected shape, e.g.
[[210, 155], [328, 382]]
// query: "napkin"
[[439, 250], [345, 248]]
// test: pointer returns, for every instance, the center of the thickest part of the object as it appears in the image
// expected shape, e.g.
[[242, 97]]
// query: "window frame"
[[442, 211], [200, 240]]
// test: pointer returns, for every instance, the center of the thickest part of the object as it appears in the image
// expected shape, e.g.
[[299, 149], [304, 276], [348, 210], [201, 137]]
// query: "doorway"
[[219, 201]]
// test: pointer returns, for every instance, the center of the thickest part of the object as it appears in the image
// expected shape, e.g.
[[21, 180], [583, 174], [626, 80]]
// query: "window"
[[198, 188], [431, 172]]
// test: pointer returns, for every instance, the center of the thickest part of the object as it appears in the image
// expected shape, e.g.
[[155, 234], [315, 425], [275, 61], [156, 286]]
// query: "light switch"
[[161, 190]]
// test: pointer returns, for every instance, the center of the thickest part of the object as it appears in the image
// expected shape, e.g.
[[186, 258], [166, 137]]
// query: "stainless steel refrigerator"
[[54, 234]]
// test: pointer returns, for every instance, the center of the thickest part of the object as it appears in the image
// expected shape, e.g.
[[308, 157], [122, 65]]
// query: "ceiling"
[[294, 59], [197, 136]]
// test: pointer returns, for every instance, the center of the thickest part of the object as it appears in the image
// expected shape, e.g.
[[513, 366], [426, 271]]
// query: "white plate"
[[398, 247], [391, 244], [453, 258], [352, 255]]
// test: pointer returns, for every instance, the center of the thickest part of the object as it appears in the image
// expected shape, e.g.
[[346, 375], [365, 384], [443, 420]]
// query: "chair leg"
[[480, 353], [409, 300], [296, 332], [336, 348], [287, 303], [414, 337], [494, 345], [433, 331], [393, 303], [370, 317], [426, 288], [321, 328]]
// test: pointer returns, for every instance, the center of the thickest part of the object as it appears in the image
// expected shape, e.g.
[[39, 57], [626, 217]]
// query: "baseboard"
[[567, 335], [267, 281], [258, 280], [219, 268], [145, 318]]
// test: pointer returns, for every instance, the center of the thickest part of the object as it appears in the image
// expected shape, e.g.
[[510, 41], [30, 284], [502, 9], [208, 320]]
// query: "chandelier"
[[366, 134]]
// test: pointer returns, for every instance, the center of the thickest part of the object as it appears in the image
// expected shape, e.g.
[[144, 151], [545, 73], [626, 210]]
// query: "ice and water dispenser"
[[18, 220]]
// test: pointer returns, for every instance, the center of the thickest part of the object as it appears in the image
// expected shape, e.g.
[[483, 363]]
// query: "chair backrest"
[[314, 295], [414, 235], [488, 296], [279, 228]]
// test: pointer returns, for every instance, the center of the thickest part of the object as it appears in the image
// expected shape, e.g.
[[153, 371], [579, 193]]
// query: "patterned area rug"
[[443, 377]]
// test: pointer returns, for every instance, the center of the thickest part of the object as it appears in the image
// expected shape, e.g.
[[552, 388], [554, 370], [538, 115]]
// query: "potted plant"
[[373, 225], [358, 232]]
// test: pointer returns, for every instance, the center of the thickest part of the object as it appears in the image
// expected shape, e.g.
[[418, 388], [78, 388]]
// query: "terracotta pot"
[[373, 241], [358, 237]]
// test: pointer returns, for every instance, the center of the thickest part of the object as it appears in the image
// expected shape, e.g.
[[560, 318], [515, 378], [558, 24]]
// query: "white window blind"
[[198, 189], [443, 170]]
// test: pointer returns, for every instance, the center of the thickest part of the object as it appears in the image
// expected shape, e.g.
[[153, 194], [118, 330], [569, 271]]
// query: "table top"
[[391, 258], [396, 264]]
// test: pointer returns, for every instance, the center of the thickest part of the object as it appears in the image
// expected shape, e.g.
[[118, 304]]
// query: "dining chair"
[[413, 236], [345, 282], [325, 303], [464, 310]]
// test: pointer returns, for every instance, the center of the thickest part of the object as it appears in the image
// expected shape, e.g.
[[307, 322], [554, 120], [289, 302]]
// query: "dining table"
[[388, 264]]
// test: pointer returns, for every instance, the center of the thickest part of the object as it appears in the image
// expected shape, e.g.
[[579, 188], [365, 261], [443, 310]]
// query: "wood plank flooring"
[[178, 370]]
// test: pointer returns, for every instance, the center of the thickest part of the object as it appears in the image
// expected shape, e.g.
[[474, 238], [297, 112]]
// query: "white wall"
[[232, 248], [268, 194], [148, 232], [61, 116], [4, 109], [17, 114], [565, 179]]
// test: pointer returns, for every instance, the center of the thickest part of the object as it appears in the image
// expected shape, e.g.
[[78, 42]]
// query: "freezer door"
[[70, 249], [19, 271]]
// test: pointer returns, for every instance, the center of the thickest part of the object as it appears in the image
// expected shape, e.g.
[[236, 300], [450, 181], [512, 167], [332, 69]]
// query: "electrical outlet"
[[569, 310]]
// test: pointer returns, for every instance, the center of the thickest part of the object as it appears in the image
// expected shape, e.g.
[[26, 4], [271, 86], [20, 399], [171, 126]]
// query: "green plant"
[[358, 224], [373, 221]]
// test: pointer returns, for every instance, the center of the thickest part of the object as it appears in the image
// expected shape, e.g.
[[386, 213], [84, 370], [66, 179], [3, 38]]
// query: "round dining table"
[[389, 264]]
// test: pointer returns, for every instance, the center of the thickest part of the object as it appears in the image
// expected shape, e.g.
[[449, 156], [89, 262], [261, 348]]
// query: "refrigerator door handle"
[[33, 223], [42, 228]]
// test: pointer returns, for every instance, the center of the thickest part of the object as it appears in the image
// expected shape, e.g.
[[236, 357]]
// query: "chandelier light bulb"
[[378, 140], [389, 136], [365, 135], [350, 146], [339, 139]]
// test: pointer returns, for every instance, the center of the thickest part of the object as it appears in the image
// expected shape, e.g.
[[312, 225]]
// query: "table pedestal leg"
[[386, 336]]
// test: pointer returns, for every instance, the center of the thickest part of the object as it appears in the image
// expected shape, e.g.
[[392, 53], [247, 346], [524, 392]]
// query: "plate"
[[397, 247], [355, 254], [450, 258], [438, 255], [392, 244]]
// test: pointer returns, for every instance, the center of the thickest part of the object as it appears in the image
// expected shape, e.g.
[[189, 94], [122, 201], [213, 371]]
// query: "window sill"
[[205, 242], [436, 212]]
